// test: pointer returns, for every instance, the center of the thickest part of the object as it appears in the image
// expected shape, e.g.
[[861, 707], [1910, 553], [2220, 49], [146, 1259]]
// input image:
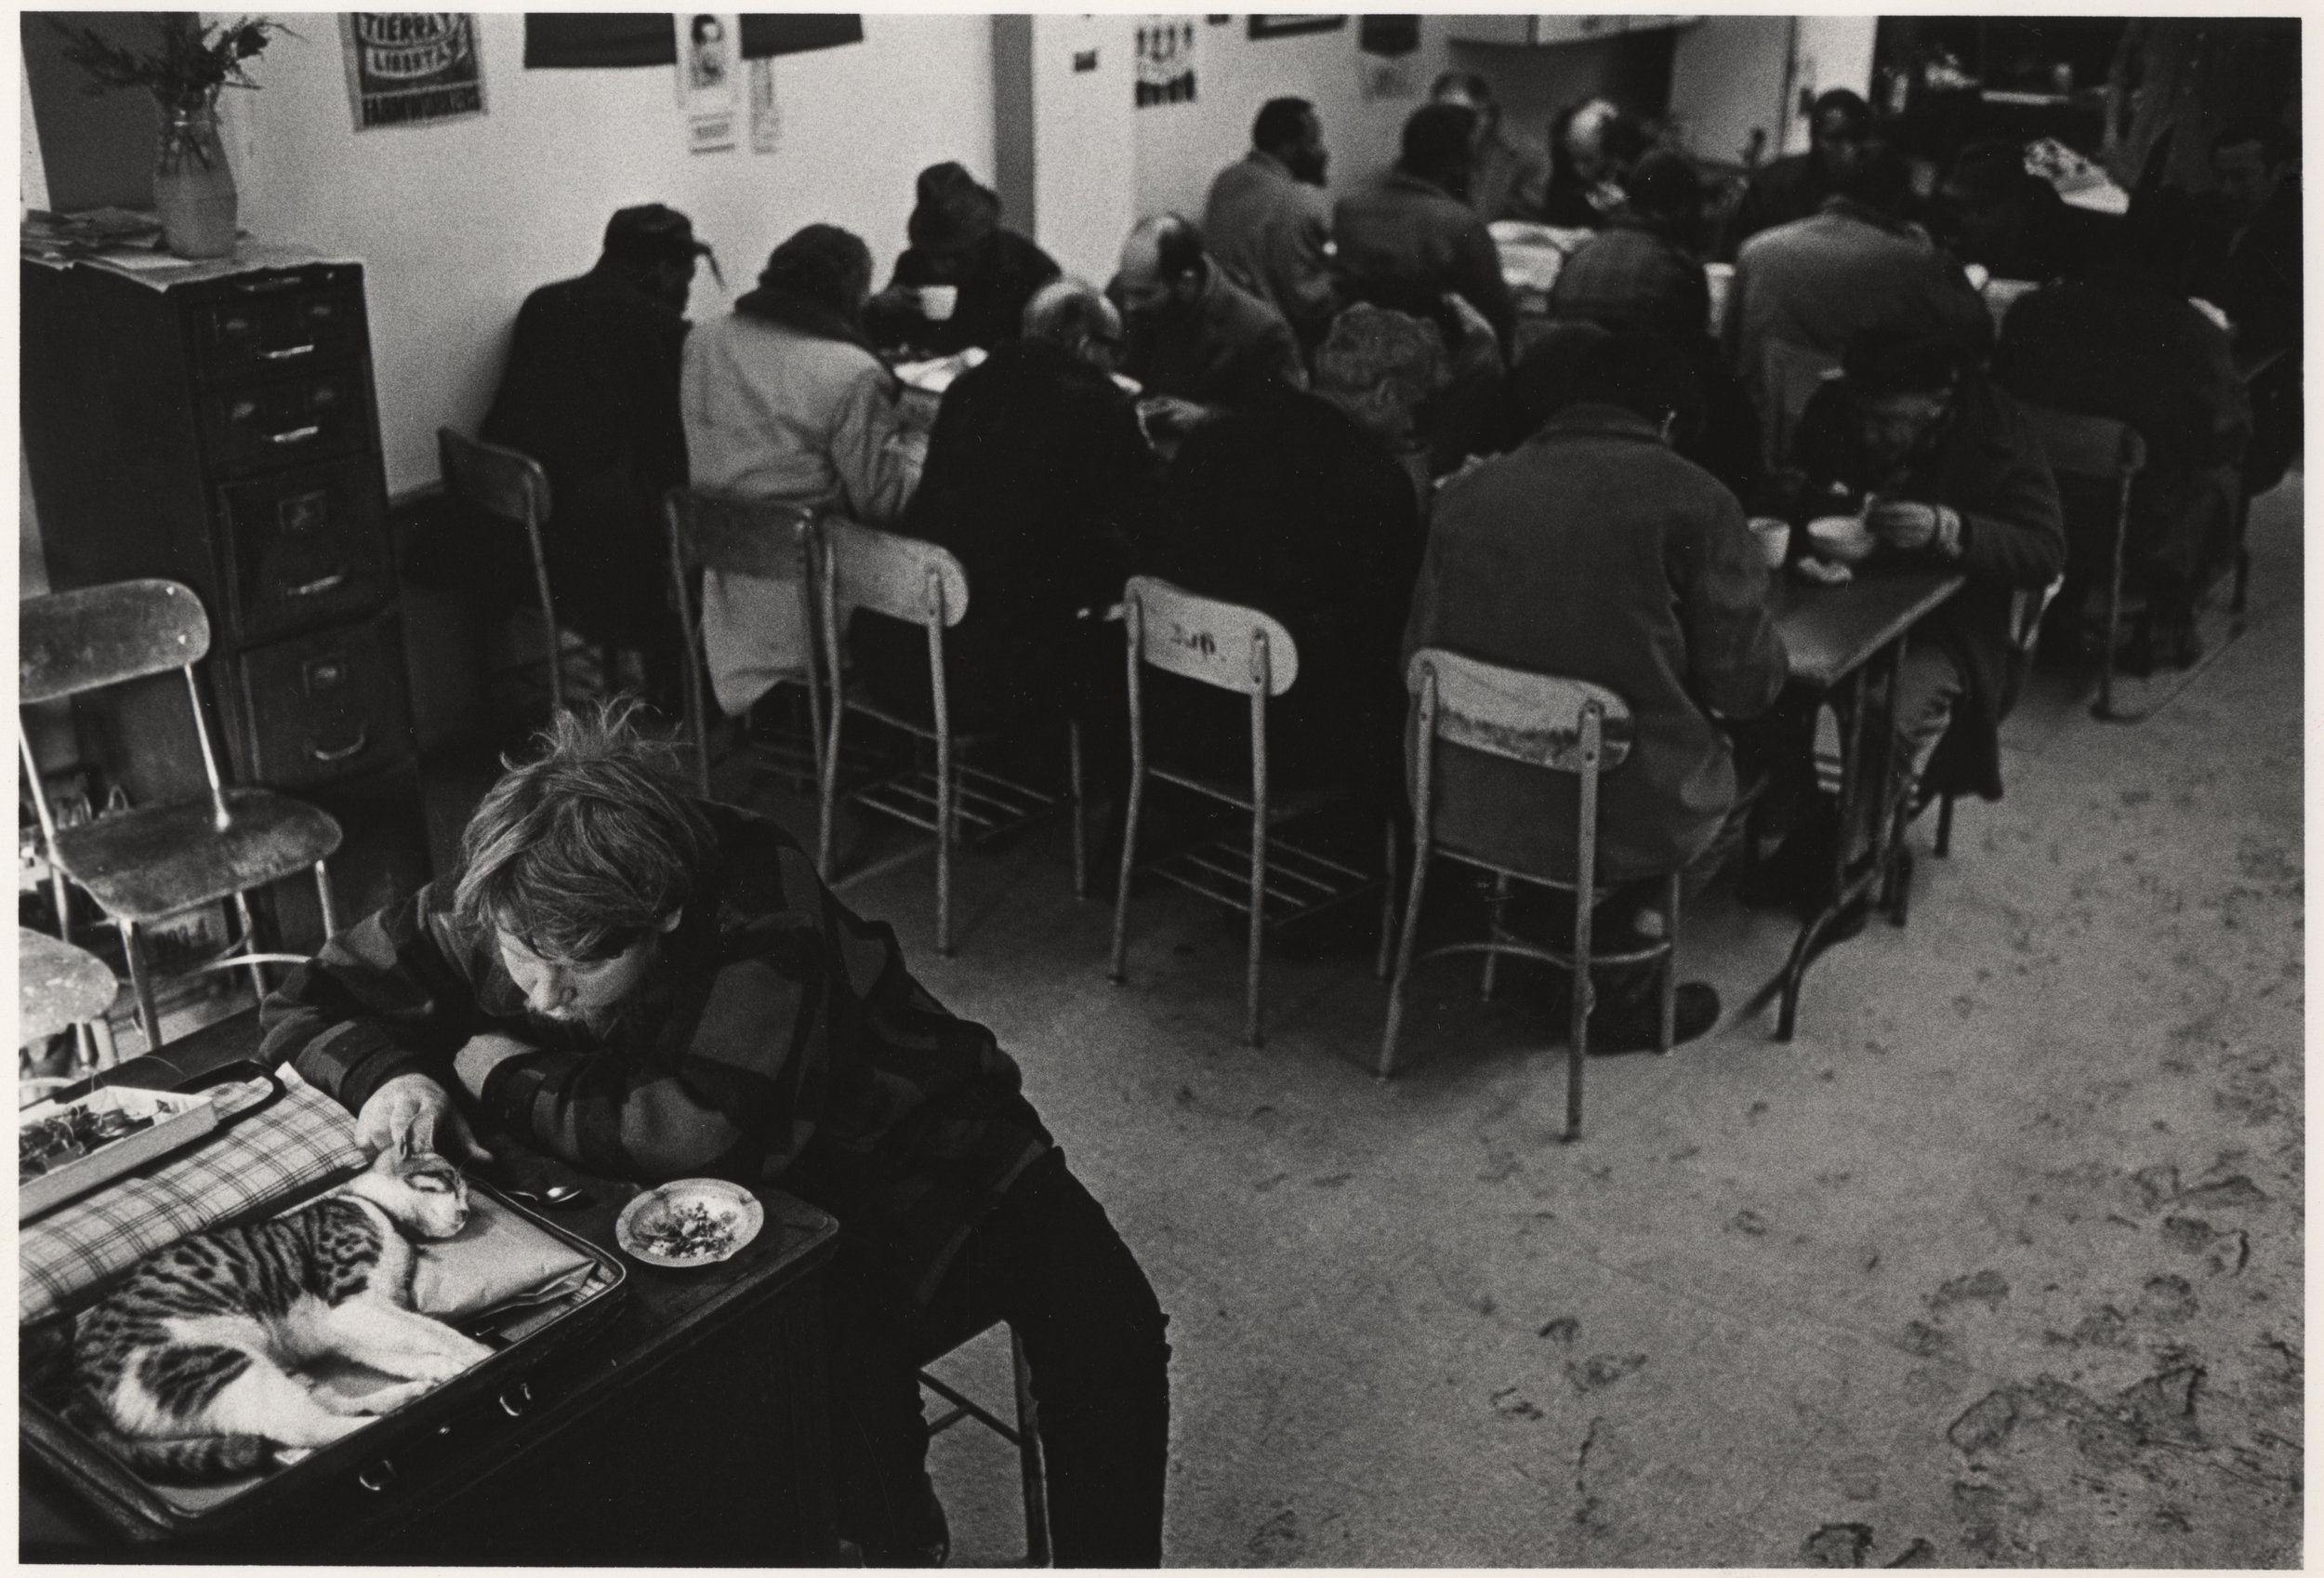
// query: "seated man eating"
[[653, 986]]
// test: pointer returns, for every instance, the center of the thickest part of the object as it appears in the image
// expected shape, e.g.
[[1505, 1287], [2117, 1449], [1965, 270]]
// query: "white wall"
[[457, 221], [1181, 147], [1085, 153], [1728, 78], [1830, 52]]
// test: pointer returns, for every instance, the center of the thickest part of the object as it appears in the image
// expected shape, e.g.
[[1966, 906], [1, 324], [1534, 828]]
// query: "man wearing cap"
[[1841, 143], [2014, 223], [1954, 477], [965, 279], [1506, 179], [1268, 221], [590, 392], [1642, 271]]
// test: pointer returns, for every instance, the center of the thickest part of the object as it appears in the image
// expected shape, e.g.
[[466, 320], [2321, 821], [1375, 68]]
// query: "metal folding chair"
[[1559, 726], [155, 862], [2101, 450], [774, 542], [509, 485], [1272, 881], [1024, 1434], [2027, 609], [920, 583]]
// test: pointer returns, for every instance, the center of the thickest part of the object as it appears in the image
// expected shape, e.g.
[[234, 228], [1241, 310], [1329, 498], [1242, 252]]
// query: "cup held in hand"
[[1774, 538], [937, 301], [1844, 537]]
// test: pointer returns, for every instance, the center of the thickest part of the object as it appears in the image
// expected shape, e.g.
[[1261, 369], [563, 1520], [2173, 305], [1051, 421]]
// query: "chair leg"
[[1121, 887], [1668, 1035], [1577, 1036], [1404, 939], [141, 983], [1258, 940], [1080, 832], [330, 904], [1387, 897], [946, 836], [1030, 1468], [1944, 825], [829, 807], [1493, 933], [250, 942]]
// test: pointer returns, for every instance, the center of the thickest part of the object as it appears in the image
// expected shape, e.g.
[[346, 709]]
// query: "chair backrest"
[[1789, 375], [69, 642], [493, 478], [2083, 445], [771, 541], [2026, 610], [1201, 638], [1525, 717], [888, 573]]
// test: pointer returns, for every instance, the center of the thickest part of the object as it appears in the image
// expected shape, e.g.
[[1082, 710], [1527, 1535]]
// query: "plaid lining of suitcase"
[[304, 1139]]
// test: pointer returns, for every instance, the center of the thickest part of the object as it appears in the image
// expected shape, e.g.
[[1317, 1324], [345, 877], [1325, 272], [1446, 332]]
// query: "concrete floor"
[[2000, 1262]]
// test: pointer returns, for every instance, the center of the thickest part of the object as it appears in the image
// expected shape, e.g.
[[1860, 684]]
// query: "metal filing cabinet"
[[224, 434]]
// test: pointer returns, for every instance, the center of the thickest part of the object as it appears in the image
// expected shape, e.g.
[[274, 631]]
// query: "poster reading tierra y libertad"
[[406, 68]]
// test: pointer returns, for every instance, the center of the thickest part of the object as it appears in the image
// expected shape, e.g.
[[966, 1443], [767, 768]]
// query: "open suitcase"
[[522, 1336]]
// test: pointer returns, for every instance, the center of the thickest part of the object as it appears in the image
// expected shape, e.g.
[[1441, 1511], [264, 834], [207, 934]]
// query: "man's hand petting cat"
[[413, 1112]]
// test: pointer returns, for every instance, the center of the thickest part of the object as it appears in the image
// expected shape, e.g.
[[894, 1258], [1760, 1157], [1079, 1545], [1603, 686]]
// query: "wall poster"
[[406, 68], [707, 67], [1166, 61], [1280, 25]]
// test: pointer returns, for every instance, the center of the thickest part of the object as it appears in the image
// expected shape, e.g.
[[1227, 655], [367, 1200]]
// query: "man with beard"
[[965, 279], [1267, 220], [1414, 230], [1195, 338], [590, 392]]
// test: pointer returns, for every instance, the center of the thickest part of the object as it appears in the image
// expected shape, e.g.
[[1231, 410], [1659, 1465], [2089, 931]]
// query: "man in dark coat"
[[2014, 224], [1414, 230], [1300, 507], [1958, 480], [2121, 340], [590, 392], [1792, 188], [1194, 338], [1268, 222], [1037, 480], [965, 279], [1595, 552], [2259, 286]]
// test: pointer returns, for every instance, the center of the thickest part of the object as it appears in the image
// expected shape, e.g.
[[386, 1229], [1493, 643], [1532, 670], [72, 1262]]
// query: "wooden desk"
[[1835, 637], [693, 1431]]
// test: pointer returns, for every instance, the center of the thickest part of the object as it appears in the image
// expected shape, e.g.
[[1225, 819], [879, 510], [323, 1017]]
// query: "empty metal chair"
[[153, 862], [511, 487], [1559, 726], [774, 542], [922, 584], [1272, 881], [2101, 450], [2027, 609]]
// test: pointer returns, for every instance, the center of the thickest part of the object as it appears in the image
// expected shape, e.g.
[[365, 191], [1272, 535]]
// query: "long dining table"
[[1838, 641]]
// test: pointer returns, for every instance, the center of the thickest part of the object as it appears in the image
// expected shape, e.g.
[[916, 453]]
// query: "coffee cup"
[[1775, 539], [938, 300]]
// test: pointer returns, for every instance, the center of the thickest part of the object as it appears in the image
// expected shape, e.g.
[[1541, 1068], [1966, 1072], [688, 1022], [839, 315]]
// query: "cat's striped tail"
[[174, 1458]]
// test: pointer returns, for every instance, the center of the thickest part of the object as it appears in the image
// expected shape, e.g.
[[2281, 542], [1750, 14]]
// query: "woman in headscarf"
[[965, 279], [783, 401]]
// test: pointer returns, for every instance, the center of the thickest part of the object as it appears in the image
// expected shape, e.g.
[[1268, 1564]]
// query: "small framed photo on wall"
[[1280, 26]]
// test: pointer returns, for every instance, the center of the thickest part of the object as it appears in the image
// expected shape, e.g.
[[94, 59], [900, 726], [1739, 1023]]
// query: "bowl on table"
[[1844, 537]]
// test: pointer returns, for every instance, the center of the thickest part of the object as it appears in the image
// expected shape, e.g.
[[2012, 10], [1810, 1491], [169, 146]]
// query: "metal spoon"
[[557, 1197]]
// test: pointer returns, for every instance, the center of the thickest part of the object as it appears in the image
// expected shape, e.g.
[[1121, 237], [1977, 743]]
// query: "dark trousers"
[[1049, 1262]]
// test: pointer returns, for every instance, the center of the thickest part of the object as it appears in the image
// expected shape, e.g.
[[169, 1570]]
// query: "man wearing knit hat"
[[965, 279], [590, 392]]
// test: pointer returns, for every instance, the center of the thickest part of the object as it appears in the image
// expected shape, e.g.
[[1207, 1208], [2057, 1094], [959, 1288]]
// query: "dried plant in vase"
[[194, 187]]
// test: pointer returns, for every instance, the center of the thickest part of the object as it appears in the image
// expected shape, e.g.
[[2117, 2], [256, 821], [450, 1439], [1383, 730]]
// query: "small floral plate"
[[691, 1221]]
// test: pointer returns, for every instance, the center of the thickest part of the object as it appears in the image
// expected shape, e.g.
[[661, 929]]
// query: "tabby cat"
[[185, 1371]]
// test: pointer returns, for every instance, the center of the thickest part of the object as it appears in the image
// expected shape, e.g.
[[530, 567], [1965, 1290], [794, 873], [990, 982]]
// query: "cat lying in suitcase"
[[184, 1370]]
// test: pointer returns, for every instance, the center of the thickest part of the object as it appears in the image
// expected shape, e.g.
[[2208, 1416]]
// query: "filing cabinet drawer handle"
[[267, 286], [514, 1401], [378, 1477], [296, 435], [317, 587], [363, 738], [286, 352]]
